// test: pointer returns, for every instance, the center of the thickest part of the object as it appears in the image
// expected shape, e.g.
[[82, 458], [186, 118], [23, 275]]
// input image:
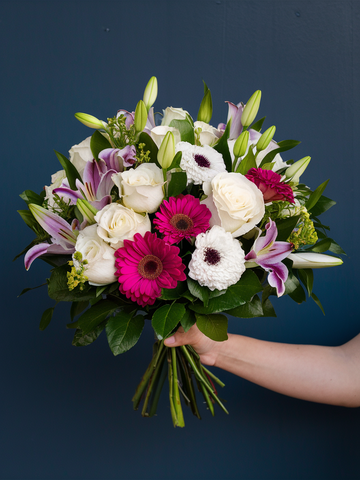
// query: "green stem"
[[159, 386], [216, 379], [189, 385], [208, 399], [176, 393], [171, 379], [151, 383]]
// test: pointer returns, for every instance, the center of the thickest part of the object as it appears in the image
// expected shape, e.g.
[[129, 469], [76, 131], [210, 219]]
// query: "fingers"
[[179, 338]]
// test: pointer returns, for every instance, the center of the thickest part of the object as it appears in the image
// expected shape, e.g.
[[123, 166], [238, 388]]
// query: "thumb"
[[176, 340]]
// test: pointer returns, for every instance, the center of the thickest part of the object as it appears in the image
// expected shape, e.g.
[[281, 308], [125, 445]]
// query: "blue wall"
[[66, 412]]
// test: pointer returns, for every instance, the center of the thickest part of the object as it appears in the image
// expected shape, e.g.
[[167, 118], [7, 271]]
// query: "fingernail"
[[170, 340]]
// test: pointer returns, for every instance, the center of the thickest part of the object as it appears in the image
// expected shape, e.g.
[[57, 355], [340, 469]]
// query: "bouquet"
[[176, 224]]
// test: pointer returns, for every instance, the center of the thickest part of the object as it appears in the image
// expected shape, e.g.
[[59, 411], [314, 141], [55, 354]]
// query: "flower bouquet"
[[176, 224]]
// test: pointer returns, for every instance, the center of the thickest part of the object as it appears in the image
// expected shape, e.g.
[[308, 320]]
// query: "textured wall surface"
[[66, 411]]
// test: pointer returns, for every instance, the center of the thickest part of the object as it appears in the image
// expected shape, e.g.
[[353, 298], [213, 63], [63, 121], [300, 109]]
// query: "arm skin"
[[310, 372]]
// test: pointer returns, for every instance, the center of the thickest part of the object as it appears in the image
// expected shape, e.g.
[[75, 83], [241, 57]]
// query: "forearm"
[[310, 372]]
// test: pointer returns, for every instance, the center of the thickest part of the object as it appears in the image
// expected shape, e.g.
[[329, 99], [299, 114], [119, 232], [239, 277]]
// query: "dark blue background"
[[66, 412]]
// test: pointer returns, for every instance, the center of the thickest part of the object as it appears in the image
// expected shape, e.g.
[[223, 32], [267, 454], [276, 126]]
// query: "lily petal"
[[42, 249]]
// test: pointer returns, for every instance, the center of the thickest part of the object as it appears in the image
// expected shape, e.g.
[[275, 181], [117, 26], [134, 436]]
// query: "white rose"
[[235, 202], [141, 188], [80, 155], [56, 181], [209, 134], [117, 223], [172, 113], [158, 134], [100, 269]]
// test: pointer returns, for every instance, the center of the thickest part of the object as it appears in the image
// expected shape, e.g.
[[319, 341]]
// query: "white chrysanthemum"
[[201, 164], [218, 260]]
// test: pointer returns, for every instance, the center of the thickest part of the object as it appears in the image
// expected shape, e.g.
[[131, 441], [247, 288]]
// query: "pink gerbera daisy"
[[182, 217], [145, 265], [270, 184]]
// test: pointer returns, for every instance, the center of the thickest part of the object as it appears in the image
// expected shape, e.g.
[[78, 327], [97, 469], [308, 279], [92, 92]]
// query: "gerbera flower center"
[[150, 267], [212, 256], [181, 222], [202, 161]]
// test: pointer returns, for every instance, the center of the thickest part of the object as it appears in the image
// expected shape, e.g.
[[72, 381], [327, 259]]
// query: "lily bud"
[[150, 93], [166, 151], [86, 210], [141, 115], [265, 138], [251, 109], [90, 121], [297, 169], [241, 144], [313, 260], [206, 108]]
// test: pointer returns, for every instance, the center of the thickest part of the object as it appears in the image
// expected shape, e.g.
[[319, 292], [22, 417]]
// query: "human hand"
[[207, 349]]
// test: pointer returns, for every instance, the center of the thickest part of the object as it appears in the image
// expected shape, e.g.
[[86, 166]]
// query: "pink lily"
[[63, 235], [268, 254], [234, 113]]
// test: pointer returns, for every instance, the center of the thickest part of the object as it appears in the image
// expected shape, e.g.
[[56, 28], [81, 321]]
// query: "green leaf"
[[98, 143], [166, 318], [223, 147], [176, 161], [77, 308], [268, 309], [150, 146], [315, 196], [29, 219], [123, 331], [186, 130], [81, 340], [188, 320], [335, 248], [174, 293], [213, 326], [46, 318], [203, 293], [248, 310], [322, 205], [92, 317], [321, 246], [58, 289], [257, 125], [285, 227], [246, 163], [71, 173], [31, 197], [236, 295], [283, 147], [30, 288], [177, 183], [318, 303], [294, 289], [307, 277], [100, 289]]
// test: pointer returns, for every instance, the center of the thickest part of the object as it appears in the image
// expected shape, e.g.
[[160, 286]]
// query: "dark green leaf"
[[174, 293], [203, 293], [321, 246], [186, 130], [92, 317], [28, 218], [246, 163], [335, 248], [58, 289], [177, 183], [100, 290], [123, 331], [31, 197], [236, 295], [166, 318], [46, 318], [322, 205], [176, 161], [223, 147], [56, 260], [71, 173], [268, 309], [150, 146], [213, 326], [30, 288], [248, 310], [81, 340], [98, 143], [285, 227], [318, 303], [188, 320], [315, 196], [294, 289], [283, 147], [77, 308], [257, 125], [307, 277]]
